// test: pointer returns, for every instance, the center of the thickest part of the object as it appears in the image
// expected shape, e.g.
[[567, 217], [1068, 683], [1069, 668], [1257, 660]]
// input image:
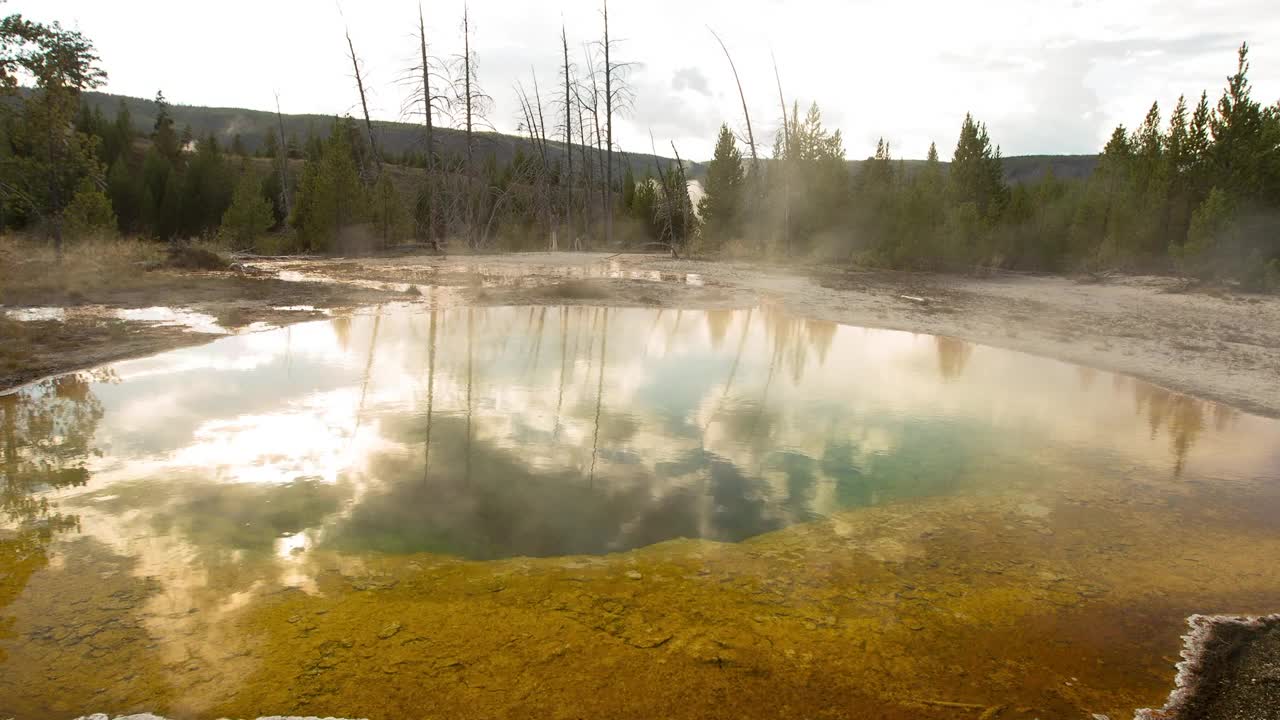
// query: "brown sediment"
[[935, 610], [1230, 670]]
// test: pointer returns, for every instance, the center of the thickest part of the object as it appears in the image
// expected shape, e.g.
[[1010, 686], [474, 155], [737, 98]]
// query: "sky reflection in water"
[[500, 432]]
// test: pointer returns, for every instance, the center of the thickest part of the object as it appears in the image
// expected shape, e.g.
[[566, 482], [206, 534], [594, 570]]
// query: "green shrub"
[[249, 216], [89, 214]]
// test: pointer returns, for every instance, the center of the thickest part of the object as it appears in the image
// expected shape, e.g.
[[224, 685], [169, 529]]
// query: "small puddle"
[[190, 320], [172, 317], [499, 511], [36, 314], [486, 275]]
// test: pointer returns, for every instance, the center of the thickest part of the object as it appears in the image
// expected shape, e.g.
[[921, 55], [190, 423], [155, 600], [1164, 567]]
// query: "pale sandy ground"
[[1220, 346]]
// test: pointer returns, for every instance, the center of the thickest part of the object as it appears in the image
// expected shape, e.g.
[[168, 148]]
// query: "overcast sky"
[[1047, 76]]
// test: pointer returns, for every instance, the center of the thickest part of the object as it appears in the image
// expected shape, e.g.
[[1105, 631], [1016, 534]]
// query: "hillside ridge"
[[397, 138]]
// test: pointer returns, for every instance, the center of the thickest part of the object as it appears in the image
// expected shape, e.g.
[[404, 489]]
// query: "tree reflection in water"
[[46, 438]]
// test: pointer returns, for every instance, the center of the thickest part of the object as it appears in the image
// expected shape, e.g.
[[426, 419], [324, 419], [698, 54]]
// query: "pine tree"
[[1198, 135], [644, 206], [1180, 165], [390, 218], [89, 213], [51, 156], [163, 137], [330, 195], [125, 189], [271, 146], [168, 223], [1177, 142], [207, 186], [931, 177], [119, 140], [250, 214], [1148, 193], [977, 174], [1237, 126], [812, 176], [878, 171], [721, 205], [628, 188]]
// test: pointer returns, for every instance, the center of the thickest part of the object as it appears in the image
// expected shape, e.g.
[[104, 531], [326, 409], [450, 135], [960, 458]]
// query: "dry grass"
[[30, 273], [31, 269]]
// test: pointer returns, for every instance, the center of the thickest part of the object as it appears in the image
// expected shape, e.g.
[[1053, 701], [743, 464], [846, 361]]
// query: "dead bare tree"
[[567, 180], [284, 162], [592, 137], [784, 167], [586, 167], [427, 98], [608, 104], [751, 138], [535, 121], [475, 104], [669, 206], [682, 190], [422, 77], [468, 96], [364, 104], [617, 95], [593, 94], [542, 123]]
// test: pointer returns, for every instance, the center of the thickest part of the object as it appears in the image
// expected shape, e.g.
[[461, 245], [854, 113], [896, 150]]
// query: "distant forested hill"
[[394, 138], [1020, 169], [397, 138]]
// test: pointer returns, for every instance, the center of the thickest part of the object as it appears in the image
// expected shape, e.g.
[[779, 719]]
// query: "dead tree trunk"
[[474, 103], [567, 180], [544, 177], [597, 139], [533, 120], [785, 167], [466, 64], [666, 192], [364, 105], [586, 172], [55, 191], [608, 111], [682, 188], [284, 162], [751, 138], [426, 112]]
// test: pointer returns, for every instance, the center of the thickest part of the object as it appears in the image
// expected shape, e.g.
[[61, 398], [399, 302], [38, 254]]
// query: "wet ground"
[[1230, 671], [432, 508], [44, 333]]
